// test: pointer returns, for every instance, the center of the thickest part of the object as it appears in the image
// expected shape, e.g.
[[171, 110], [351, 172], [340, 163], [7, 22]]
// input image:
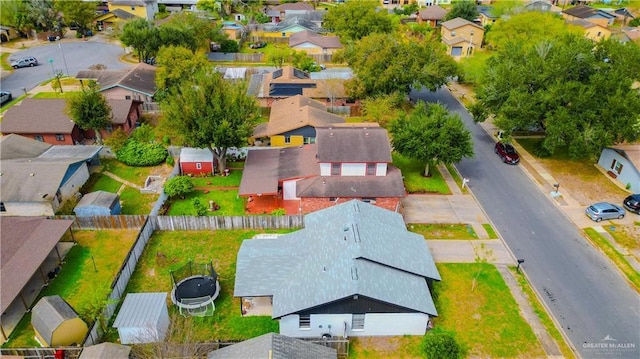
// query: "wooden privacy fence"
[[105, 222], [119, 284], [194, 223]]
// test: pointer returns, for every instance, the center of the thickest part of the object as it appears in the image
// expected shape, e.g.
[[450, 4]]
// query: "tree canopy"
[[210, 112], [384, 64], [528, 28], [90, 110], [431, 134], [142, 36], [176, 63], [466, 9], [579, 91], [356, 19], [79, 12]]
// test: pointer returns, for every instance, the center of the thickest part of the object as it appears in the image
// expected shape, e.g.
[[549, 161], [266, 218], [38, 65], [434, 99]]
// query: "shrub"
[[166, 140], [139, 154], [439, 344], [144, 134], [229, 46], [178, 186], [201, 208], [278, 212], [171, 161], [116, 140]]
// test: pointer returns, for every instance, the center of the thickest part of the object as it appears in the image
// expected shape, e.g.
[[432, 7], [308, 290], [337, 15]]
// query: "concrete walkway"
[[465, 251], [121, 180]]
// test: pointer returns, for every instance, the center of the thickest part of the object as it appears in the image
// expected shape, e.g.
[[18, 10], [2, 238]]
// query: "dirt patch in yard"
[[407, 347]]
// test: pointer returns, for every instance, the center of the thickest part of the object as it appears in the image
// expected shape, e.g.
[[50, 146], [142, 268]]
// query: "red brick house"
[[46, 120], [345, 163]]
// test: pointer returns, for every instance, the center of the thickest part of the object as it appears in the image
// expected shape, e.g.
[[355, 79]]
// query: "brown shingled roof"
[[390, 185], [141, 78], [325, 42], [293, 6], [353, 144], [37, 115], [433, 12], [25, 242], [320, 89]]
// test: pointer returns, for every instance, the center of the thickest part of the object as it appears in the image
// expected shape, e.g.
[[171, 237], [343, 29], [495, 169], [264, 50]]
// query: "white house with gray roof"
[[354, 270]]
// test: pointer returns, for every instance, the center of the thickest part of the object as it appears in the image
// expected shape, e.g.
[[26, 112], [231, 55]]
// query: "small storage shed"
[[196, 161], [106, 351], [143, 318], [56, 323], [99, 203]]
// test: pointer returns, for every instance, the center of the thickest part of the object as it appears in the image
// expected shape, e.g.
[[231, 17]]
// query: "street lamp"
[[64, 59]]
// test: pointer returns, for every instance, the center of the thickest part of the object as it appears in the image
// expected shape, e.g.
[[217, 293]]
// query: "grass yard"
[[545, 319], [486, 321], [414, 181], [616, 257], [456, 177], [100, 182], [232, 180], [134, 202], [53, 94], [400, 347], [228, 200], [135, 175], [443, 231], [170, 250], [78, 283], [490, 231], [626, 236]]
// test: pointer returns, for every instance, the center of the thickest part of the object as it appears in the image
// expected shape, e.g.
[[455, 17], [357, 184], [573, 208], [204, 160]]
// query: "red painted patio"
[[266, 205]]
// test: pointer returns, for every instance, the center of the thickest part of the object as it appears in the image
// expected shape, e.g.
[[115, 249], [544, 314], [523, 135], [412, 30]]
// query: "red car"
[[507, 153]]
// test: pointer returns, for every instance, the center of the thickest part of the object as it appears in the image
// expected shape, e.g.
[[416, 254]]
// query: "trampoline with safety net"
[[195, 287]]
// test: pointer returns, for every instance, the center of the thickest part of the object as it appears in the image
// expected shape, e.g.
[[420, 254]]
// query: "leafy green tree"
[[466, 9], [116, 140], [440, 344], [229, 46], [381, 109], [90, 110], [16, 14], [188, 30], [79, 12], [356, 19], [174, 64], [278, 56], [529, 28], [261, 18], [431, 134], [178, 186], [383, 64], [199, 207], [581, 93], [211, 113], [144, 134], [44, 15], [635, 22], [142, 36]]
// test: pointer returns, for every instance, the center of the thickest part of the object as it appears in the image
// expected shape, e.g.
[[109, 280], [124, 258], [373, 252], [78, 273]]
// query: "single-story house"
[[290, 26], [354, 270], [461, 37], [196, 161], [145, 9], [293, 122], [622, 162], [486, 16], [137, 84], [8, 33], [273, 346], [98, 203], [106, 351], [36, 178], [25, 245], [592, 30], [56, 323], [594, 15], [47, 120], [280, 12], [289, 81], [432, 15], [313, 43], [143, 318], [112, 18]]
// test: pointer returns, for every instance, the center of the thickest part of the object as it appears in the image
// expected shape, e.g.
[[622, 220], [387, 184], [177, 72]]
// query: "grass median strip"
[[616, 257]]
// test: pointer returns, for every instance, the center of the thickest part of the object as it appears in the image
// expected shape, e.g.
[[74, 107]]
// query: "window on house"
[[127, 97], [287, 139], [456, 51], [109, 128], [2, 208], [284, 34], [333, 199], [38, 138], [371, 169], [335, 169], [453, 33], [599, 34], [304, 321], [59, 137], [357, 322], [133, 8], [618, 168], [308, 140], [198, 166], [369, 200]]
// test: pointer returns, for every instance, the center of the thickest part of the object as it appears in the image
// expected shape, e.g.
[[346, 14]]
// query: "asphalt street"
[[63, 56], [596, 308]]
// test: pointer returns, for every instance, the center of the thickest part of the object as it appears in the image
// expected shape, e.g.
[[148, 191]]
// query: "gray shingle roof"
[[350, 249], [106, 351], [353, 144], [25, 242], [459, 22], [49, 313], [81, 152], [141, 309], [325, 42], [274, 346], [16, 146], [98, 199], [189, 154], [29, 180]]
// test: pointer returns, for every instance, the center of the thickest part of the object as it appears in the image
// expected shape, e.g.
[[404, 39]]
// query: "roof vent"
[[366, 134], [331, 134], [31, 174], [346, 228], [354, 273]]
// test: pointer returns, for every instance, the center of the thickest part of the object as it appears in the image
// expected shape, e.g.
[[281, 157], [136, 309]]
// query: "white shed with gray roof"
[[143, 318]]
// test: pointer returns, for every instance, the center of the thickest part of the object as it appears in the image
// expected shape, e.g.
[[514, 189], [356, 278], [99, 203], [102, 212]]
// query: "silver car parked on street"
[[604, 210]]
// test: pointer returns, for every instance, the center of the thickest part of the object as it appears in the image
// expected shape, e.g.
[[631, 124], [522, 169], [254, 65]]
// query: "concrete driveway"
[[442, 209]]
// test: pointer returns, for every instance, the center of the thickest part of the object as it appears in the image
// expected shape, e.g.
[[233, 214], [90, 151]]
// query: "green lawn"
[[545, 319], [228, 200], [82, 286], [624, 236], [100, 182], [53, 94], [232, 180], [616, 257], [443, 231], [487, 320], [134, 202], [414, 181], [169, 250], [135, 175]]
